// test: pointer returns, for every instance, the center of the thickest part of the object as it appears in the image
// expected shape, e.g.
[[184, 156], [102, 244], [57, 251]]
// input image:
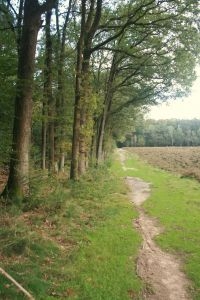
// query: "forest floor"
[[160, 270]]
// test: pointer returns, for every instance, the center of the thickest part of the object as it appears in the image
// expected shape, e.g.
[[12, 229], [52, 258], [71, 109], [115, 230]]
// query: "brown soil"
[[161, 271], [184, 161]]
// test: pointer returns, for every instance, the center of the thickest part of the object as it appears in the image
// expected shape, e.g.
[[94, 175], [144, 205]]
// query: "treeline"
[[70, 92], [161, 133]]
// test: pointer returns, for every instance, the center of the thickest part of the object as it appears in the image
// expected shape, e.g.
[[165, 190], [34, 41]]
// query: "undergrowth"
[[71, 240]]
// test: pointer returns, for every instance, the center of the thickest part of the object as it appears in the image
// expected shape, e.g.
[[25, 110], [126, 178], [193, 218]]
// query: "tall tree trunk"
[[107, 105], [61, 96], [100, 137], [19, 24], [82, 116], [48, 95], [76, 125], [18, 181], [44, 134], [48, 109]]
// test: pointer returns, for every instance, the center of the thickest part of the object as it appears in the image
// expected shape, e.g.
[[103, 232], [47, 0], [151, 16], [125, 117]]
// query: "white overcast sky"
[[185, 108]]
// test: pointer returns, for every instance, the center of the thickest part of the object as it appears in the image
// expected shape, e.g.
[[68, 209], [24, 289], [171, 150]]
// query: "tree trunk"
[[44, 134], [48, 93], [18, 181], [61, 96], [51, 134], [106, 109], [82, 116], [100, 138], [76, 126], [62, 162]]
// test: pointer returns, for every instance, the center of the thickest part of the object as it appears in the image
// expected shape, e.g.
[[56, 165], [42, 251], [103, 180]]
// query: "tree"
[[48, 102], [152, 67], [17, 185], [83, 115], [170, 132], [61, 91]]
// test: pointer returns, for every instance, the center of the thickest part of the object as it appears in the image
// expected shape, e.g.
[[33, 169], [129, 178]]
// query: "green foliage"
[[150, 61], [164, 133], [154, 58], [8, 65]]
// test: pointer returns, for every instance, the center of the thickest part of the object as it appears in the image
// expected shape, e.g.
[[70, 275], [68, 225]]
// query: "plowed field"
[[181, 160]]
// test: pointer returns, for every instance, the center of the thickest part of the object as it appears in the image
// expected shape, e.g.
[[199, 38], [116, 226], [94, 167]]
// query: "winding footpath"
[[160, 271]]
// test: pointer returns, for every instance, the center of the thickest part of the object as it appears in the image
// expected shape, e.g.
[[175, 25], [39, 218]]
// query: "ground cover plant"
[[175, 202], [74, 240], [181, 160]]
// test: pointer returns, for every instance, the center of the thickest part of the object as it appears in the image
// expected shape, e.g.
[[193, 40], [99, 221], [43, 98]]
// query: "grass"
[[175, 202], [76, 240], [72, 241]]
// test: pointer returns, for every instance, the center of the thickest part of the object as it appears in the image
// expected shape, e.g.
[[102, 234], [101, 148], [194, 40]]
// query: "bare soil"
[[184, 161], [160, 271]]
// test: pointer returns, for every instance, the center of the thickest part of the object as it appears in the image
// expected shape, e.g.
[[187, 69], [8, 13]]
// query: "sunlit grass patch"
[[106, 266]]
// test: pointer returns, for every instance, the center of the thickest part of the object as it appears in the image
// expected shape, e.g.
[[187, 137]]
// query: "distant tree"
[[166, 133]]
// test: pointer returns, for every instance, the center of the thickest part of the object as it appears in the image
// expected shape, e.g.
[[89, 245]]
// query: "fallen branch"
[[16, 284]]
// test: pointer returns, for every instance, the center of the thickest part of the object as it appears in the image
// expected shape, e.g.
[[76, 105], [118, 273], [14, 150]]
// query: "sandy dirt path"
[[160, 270]]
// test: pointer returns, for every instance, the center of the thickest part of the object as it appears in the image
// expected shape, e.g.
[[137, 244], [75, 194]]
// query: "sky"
[[185, 108]]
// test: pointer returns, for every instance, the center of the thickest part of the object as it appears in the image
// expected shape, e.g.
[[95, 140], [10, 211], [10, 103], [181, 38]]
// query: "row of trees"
[[151, 133], [97, 65]]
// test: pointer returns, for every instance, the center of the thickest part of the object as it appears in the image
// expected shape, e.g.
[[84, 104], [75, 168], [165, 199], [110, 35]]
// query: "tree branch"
[[9, 277]]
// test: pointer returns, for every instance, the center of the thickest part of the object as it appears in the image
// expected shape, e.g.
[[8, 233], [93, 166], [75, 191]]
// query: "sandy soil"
[[160, 270]]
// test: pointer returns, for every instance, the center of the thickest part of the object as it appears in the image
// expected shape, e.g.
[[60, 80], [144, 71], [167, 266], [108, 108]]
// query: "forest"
[[75, 74], [163, 133]]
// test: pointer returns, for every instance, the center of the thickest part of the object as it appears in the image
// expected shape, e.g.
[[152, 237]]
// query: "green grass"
[[76, 240], [72, 241], [175, 202]]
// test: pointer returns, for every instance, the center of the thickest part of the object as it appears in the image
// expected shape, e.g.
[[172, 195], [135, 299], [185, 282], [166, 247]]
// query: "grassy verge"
[[175, 202], [72, 241]]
